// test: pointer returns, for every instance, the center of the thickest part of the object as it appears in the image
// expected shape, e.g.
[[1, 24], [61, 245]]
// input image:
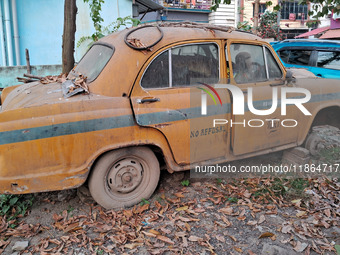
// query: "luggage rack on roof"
[[139, 46]]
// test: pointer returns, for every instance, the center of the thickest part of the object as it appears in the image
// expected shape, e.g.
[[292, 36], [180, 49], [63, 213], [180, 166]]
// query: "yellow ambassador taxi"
[[161, 96]]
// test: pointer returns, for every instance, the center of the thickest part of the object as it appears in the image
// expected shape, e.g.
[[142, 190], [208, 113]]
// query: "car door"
[[257, 72], [166, 96]]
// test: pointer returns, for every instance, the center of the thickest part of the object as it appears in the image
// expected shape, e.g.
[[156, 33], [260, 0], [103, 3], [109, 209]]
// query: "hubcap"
[[125, 175]]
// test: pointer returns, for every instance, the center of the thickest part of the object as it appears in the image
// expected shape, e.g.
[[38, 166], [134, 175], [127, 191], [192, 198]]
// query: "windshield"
[[93, 62]]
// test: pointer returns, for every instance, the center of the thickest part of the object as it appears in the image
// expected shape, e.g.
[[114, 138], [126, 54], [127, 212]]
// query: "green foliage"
[[232, 199], [95, 8], [111, 28], [244, 26], [185, 183], [14, 206], [330, 155], [268, 27], [283, 187], [144, 202]]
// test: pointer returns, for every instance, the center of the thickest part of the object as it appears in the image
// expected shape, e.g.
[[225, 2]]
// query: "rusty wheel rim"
[[125, 175]]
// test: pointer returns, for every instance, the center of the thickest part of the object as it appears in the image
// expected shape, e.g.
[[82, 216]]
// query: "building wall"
[[225, 15], [178, 14], [284, 24], [40, 25]]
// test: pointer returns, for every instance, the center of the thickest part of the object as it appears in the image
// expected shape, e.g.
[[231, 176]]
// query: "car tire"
[[124, 177], [313, 143]]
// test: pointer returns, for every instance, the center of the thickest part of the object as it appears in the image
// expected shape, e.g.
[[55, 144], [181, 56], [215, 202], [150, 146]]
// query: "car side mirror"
[[289, 76]]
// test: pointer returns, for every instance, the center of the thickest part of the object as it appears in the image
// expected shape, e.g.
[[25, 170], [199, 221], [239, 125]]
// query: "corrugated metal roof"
[[147, 6], [313, 32], [334, 33]]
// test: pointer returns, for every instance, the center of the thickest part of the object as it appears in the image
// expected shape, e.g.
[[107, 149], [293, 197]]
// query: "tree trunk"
[[70, 12], [256, 16]]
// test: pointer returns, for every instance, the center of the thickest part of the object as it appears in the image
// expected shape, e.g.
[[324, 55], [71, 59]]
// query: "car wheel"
[[124, 177], [313, 143]]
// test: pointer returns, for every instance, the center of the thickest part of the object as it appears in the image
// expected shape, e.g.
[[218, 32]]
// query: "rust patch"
[[16, 188], [162, 125]]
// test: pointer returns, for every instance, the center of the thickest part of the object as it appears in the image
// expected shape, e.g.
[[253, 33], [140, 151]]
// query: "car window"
[[274, 70], [157, 74], [248, 63], [329, 59], [295, 57], [93, 62], [194, 63], [183, 66]]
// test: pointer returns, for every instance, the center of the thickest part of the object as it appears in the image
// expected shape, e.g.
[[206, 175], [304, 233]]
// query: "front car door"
[[166, 96]]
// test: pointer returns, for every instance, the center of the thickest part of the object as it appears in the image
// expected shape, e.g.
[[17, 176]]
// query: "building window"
[[293, 11], [262, 9], [188, 4]]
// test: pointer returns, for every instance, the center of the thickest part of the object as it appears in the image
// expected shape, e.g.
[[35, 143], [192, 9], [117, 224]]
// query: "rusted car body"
[[139, 109]]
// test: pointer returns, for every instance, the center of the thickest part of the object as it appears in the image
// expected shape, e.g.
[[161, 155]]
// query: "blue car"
[[321, 57]]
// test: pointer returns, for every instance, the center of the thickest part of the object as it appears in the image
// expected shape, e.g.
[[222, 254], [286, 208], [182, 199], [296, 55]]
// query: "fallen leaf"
[[241, 217], [252, 222], [155, 232], [183, 208], [238, 249], [187, 226], [266, 234], [226, 221], [233, 238], [286, 229], [262, 219], [184, 219], [251, 253], [165, 239], [327, 212], [195, 239], [132, 245], [220, 238], [300, 247], [247, 194], [179, 194], [226, 210], [149, 234], [301, 213]]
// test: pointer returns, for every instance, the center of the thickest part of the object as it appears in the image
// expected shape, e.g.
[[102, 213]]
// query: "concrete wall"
[[40, 25], [9, 74]]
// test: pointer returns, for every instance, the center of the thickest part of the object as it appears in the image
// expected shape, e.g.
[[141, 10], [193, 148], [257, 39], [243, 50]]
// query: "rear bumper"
[[32, 184]]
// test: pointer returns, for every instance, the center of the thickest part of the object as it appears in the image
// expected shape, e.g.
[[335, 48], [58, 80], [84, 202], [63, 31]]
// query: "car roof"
[[306, 42], [179, 31]]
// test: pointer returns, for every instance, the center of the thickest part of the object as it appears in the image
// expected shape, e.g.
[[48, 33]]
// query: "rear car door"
[[255, 67]]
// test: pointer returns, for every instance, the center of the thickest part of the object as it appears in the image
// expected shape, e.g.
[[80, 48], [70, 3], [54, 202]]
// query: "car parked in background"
[[321, 57]]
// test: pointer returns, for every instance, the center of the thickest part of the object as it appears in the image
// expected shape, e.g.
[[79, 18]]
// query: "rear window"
[[93, 62]]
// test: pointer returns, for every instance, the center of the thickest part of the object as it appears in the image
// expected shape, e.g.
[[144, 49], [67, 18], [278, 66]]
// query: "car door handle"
[[147, 100], [319, 75]]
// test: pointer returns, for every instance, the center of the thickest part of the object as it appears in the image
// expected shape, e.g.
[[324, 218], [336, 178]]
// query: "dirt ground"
[[189, 216]]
